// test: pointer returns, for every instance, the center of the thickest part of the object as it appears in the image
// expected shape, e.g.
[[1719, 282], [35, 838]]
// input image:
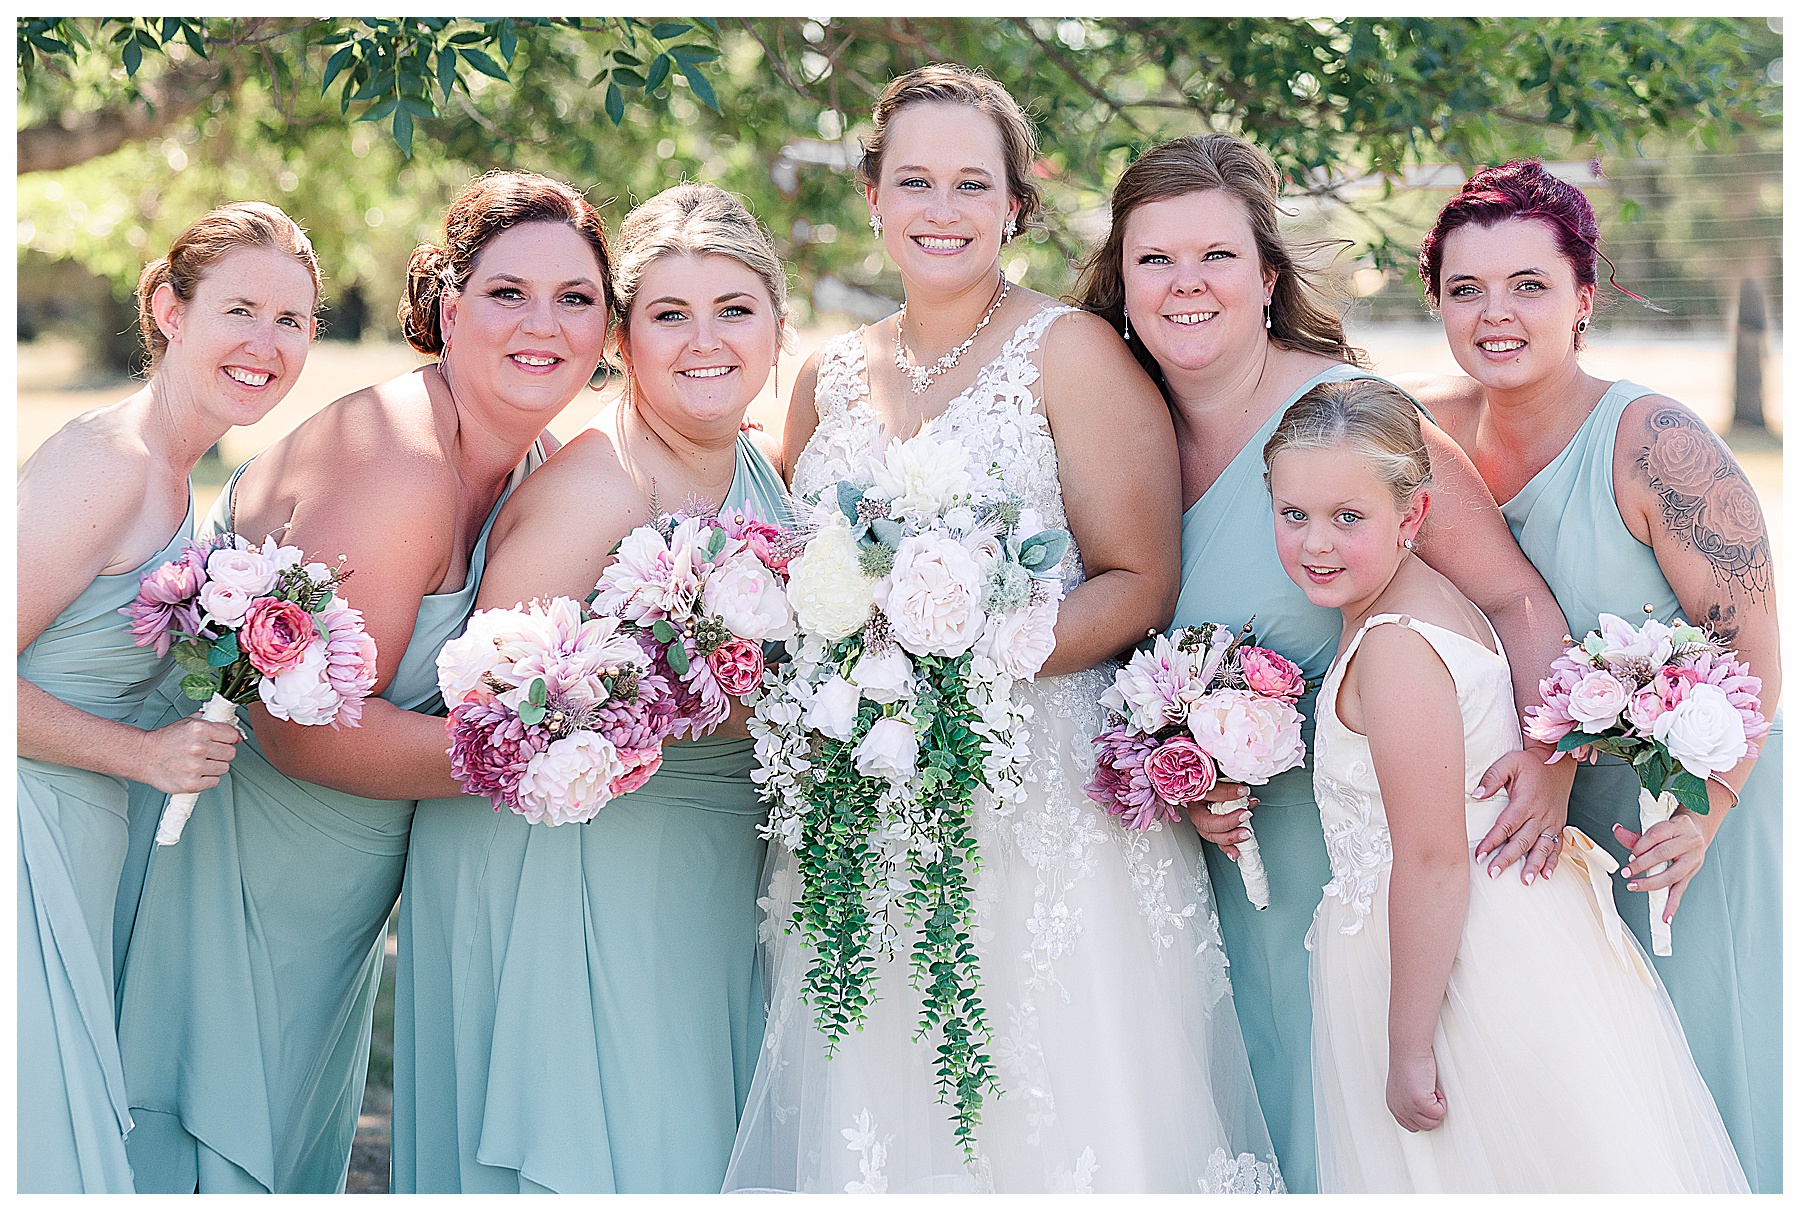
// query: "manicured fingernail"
[[1528, 878], [1481, 792], [1625, 872], [1631, 887], [1493, 872]]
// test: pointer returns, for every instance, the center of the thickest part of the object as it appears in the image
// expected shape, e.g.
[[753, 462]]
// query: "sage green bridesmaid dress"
[[72, 841], [1725, 974], [1229, 573], [254, 949], [577, 1007]]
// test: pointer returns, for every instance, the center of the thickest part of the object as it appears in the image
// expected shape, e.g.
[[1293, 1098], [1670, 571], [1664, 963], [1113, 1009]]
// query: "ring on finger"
[[1549, 837]]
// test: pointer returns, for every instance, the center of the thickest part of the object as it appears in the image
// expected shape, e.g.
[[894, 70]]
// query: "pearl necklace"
[[923, 376]]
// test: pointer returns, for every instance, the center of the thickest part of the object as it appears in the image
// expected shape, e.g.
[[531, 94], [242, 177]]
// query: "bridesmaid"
[[1631, 506], [250, 981], [227, 318], [1197, 275], [578, 1007]]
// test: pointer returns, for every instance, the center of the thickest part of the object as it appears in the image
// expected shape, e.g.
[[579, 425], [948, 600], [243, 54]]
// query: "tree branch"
[[72, 139]]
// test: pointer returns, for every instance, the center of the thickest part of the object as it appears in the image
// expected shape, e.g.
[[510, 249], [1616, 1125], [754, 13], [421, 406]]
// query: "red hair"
[[1520, 189]]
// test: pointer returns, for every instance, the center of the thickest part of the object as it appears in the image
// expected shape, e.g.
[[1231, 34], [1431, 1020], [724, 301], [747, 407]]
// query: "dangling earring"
[[1268, 316], [1011, 229], [1581, 325], [1127, 316], [875, 222], [778, 377]]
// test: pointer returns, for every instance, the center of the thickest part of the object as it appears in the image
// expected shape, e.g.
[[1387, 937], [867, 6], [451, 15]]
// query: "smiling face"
[[1510, 303], [1195, 287], [942, 196], [701, 338], [1338, 530], [529, 327], [241, 341]]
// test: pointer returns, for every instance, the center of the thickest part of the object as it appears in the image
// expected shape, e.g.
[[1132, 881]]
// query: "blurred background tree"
[[364, 128]]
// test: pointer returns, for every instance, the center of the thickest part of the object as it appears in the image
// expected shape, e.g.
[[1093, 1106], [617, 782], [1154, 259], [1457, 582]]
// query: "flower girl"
[[1514, 1034]]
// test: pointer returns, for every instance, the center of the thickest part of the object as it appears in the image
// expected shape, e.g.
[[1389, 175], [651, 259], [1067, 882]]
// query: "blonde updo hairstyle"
[[696, 219], [1371, 416], [960, 85], [491, 204], [208, 240]]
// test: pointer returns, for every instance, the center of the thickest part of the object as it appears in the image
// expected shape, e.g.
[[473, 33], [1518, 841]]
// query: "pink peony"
[[490, 748], [156, 615], [1120, 783], [275, 635], [640, 764], [1672, 684], [1252, 738], [1180, 771], [1550, 722], [738, 665], [349, 659], [1271, 673]]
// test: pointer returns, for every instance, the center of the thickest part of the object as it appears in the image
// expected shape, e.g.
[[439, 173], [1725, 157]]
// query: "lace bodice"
[[1344, 783], [999, 418]]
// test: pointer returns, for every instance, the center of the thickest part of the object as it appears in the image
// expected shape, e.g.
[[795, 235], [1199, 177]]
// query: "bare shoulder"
[[1663, 449], [1077, 335], [767, 444], [88, 483], [1453, 400], [581, 494]]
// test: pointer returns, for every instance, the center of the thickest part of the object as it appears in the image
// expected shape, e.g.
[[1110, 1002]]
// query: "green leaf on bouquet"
[[849, 496], [531, 713], [224, 651], [190, 654], [538, 694], [1691, 790], [887, 532], [678, 659], [715, 543], [1044, 551], [664, 631], [1574, 739], [199, 686]]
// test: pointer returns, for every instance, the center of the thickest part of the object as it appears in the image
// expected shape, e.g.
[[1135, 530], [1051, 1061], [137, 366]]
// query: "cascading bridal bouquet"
[[923, 593], [557, 709], [252, 624], [1673, 701], [1199, 703]]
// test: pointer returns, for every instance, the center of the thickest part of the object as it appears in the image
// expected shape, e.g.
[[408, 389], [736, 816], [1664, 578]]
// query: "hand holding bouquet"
[[254, 623], [1672, 700], [1198, 704]]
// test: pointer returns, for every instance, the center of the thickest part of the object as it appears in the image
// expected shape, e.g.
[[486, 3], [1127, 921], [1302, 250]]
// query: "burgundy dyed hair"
[[1520, 189]]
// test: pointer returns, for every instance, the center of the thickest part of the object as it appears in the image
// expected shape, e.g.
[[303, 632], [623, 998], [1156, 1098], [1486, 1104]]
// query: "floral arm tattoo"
[[1708, 504]]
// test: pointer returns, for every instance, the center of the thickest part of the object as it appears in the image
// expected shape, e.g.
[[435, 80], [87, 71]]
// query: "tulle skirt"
[[1104, 980], [1563, 1066]]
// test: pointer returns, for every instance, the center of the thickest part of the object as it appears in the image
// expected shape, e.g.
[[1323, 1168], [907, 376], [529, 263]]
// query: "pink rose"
[[640, 763], [1180, 771], [738, 665], [1596, 701], [764, 541], [275, 635], [1673, 683], [1272, 674], [1643, 709]]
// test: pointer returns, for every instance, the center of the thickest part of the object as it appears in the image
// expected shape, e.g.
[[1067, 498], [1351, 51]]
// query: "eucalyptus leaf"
[[887, 532], [678, 659], [538, 694], [531, 713], [1044, 550], [664, 630]]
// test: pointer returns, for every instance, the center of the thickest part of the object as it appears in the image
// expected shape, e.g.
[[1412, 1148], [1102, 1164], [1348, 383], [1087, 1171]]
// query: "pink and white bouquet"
[[557, 708], [1673, 701], [1197, 705], [705, 593], [926, 590], [254, 624]]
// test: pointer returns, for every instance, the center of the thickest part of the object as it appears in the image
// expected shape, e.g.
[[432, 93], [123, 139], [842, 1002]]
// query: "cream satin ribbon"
[[1654, 810], [1598, 866]]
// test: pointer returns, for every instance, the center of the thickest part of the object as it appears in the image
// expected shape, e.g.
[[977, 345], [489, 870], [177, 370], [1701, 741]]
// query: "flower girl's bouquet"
[[1673, 701], [1198, 704], [254, 624], [556, 709], [924, 593]]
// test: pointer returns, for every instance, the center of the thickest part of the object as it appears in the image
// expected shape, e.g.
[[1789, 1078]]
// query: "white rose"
[[570, 781], [224, 603], [922, 476], [1596, 701], [1704, 731], [1019, 641], [1252, 738], [883, 678], [303, 693], [747, 599], [250, 572], [833, 709], [890, 750], [280, 557], [933, 596], [985, 546], [316, 572], [826, 586], [960, 519]]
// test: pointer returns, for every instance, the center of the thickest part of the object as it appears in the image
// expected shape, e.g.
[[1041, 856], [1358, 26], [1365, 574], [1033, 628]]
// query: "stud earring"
[[1581, 325], [875, 223], [1012, 227], [1127, 316], [1408, 544]]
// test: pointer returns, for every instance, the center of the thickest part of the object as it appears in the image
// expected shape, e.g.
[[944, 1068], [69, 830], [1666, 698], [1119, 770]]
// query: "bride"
[[1120, 1059]]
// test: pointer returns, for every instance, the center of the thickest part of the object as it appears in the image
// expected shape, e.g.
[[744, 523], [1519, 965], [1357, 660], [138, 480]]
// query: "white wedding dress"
[[1117, 1046]]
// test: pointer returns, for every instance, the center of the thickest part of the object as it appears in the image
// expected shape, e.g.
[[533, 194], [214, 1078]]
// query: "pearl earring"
[[875, 223], [1127, 316]]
